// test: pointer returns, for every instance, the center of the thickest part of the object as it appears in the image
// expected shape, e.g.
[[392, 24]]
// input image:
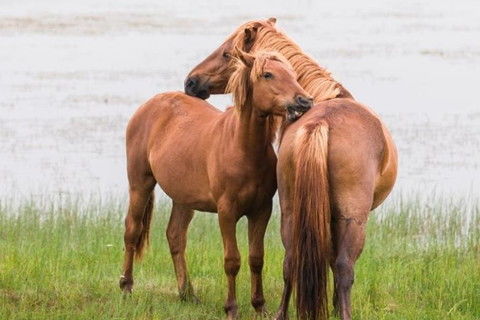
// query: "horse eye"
[[268, 75], [226, 55]]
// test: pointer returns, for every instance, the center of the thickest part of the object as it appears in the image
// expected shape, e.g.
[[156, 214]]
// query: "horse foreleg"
[[180, 219], [231, 256], [257, 224], [141, 200], [349, 238]]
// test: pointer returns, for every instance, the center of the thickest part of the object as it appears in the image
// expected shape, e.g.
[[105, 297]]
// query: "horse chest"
[[246, 185]]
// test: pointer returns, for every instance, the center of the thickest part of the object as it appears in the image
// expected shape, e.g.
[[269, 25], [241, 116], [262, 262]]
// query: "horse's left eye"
[[226, 55], [268, 75]]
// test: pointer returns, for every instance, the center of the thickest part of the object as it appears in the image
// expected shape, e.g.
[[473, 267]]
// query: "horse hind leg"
[[349, 239], [282, 313], [180, 219], [137, 224]]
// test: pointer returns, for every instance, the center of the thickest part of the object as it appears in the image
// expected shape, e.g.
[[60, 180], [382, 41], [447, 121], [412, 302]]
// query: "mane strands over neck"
[[315, 79]]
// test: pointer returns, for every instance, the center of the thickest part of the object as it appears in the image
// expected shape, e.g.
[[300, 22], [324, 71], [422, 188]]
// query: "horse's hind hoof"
[[125, 284], [187, 295], [189, 298], [280, 316]]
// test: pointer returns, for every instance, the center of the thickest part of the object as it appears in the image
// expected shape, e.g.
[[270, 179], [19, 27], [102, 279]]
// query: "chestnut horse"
[[212, 161], [335, 164]]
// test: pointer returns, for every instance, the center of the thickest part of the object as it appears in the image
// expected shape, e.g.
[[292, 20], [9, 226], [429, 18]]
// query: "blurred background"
[[73, 72]]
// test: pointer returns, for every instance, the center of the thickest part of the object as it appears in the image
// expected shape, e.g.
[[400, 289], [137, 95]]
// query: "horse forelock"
[[241, 84], [242, 79]]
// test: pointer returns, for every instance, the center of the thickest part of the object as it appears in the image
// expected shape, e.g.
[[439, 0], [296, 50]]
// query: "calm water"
[[71, 75]]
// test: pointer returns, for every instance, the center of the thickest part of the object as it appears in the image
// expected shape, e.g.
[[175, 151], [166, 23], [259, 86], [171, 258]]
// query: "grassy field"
[[62, 260]]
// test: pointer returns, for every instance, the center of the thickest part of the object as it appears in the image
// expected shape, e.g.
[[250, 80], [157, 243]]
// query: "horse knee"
[[232, 265], [256, 263], [344, 273]]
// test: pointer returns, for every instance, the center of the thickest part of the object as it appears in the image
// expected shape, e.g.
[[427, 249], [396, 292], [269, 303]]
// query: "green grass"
[[62, 260]]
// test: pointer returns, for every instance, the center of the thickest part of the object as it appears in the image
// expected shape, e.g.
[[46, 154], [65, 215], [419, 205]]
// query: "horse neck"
[[317, 81], [254, 132]]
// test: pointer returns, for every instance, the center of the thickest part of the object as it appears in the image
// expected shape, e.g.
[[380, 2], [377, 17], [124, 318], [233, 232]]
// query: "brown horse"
[[336, 164], [212, 161]]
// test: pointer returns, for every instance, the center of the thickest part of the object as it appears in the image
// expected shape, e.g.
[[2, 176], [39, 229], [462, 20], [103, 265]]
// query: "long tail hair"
[[311, 223], [144, 238]]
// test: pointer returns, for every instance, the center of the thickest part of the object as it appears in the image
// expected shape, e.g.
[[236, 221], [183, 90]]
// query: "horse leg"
[[286, 234], [231, 256], [141, 202], [257, 224], [177, 240], [349, 238]]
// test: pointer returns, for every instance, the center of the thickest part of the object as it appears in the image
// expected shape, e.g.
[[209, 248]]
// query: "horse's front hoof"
[[232, 316], [187, 295], [189, 298], [232, 313], [259, 306], [261, 313], [280, 316], [126, 285]]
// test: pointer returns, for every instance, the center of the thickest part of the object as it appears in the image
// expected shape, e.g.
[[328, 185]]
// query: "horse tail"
[[311, 222], [144, 238]]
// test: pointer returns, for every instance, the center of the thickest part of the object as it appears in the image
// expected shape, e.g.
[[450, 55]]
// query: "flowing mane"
[[316, 80]]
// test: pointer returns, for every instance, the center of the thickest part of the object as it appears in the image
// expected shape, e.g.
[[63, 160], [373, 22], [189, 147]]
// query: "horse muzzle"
[[302, 104], [196, 88]]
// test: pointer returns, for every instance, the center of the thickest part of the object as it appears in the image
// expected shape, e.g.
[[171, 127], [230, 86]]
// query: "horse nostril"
[[190, 83], [304, 102]]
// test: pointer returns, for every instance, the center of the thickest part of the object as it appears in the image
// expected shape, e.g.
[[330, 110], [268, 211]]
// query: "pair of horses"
[[336, 163]]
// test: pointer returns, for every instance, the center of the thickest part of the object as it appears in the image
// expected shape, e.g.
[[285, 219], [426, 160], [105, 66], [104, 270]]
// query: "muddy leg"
[[349, 238], [228, 222], [257, 224], [177, 239], [141, 201]]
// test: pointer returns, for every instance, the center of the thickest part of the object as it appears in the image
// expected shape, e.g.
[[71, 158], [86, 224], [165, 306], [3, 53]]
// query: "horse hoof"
[[189, 298], [186, 293], [125, 284], [232, 313], [280, 316], [232, 316], [261, 313]]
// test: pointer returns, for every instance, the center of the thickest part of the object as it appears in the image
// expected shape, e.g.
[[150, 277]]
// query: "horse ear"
[[246, 58], [249, 37], [271, 21]]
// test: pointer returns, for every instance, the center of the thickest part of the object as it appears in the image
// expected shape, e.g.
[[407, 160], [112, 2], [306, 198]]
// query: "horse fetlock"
[[126, 284], [231, 309], [258, 303], [186, 293]]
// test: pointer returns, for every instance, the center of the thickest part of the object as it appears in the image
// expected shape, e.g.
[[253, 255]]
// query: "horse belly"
[[182, 177]]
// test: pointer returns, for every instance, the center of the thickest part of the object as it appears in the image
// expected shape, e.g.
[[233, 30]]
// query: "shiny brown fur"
[[212, 161], [355, 173]]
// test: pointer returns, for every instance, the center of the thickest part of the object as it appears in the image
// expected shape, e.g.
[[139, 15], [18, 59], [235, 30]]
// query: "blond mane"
[[316, 80]]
